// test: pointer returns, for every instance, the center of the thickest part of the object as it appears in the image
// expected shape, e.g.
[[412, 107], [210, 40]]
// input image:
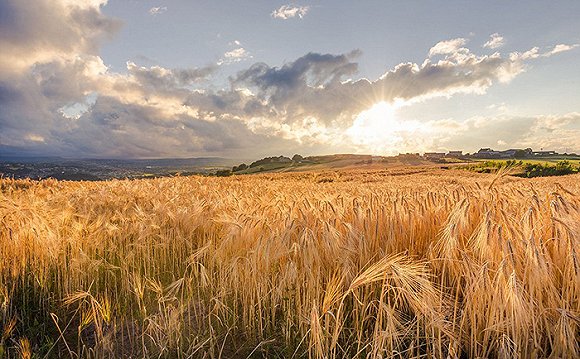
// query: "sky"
[[177, 78]]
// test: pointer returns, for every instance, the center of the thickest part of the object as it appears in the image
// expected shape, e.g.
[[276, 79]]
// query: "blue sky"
[[97, 78]]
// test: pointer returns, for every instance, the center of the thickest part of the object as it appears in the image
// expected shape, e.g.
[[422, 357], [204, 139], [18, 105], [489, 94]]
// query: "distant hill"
[[324, 162], [104, 169]]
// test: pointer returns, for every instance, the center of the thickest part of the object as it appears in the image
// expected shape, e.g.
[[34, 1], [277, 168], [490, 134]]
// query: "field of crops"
[[374, 264]]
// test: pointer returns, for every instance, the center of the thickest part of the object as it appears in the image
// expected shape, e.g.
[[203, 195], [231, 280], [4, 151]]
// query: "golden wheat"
[[377, 264]]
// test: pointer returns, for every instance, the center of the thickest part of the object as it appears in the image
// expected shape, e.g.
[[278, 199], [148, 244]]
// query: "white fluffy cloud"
[[495, 41], [447, 47], [236, 55], [562, 48], [286, 12], [44, 31], [535, 53]]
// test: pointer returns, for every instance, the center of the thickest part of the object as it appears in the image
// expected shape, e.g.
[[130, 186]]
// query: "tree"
[[241, 167], [521, 154], [223, 173], [297, 158]]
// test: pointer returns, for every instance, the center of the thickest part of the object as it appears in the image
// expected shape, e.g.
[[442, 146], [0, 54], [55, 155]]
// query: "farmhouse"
[[487, 153], [508, 153], [545, 153], [434, 155]]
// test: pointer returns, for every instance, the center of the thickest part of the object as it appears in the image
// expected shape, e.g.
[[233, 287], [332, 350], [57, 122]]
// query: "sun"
[[379, 130]]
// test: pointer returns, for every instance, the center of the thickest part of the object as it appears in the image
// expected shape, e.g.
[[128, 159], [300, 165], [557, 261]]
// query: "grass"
[[544, 160], [437, 264], [265, 167], [526, 168]]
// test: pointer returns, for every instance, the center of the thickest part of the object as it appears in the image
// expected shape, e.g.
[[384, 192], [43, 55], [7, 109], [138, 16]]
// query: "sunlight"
[[379, 130]]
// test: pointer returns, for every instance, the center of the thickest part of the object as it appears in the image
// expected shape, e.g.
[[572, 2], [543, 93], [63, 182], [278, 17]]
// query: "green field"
[[553, 166], [574, 160]]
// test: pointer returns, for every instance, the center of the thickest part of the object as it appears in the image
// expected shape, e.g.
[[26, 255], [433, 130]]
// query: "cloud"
[[44, 31], [562, 48], [34, 138], [318, 84], [159, 77], [532, 53], [535, 53], [312, 70], [447, 47], [58, 97], [498, 107], [286, 12], [117, 129], [236, 55], [157, 10], [555, 132], [495, 41]]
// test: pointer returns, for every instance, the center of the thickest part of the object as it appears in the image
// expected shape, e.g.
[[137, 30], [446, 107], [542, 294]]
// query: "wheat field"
[[350, 264]]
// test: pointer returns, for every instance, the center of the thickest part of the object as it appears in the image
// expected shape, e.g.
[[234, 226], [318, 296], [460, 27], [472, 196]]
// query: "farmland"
[[400, 263], [525, 168]]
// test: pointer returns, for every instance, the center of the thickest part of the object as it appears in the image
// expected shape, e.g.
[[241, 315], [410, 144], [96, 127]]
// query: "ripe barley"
[[370, 264]]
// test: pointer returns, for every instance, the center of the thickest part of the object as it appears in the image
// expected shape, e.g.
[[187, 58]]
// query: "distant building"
[[434, 155], [455, 154], [545, 153], [409, 155], [511, 153], [487, 153]]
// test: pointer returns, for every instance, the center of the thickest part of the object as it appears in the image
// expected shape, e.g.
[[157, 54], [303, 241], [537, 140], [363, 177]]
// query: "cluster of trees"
[[242, 166], [223, 173], [297, 158], [280, 159], [266, 160], [540, 170], [523, 153]]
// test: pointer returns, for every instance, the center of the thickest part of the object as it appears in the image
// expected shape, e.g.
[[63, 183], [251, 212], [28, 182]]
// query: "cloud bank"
[[58, 97]]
